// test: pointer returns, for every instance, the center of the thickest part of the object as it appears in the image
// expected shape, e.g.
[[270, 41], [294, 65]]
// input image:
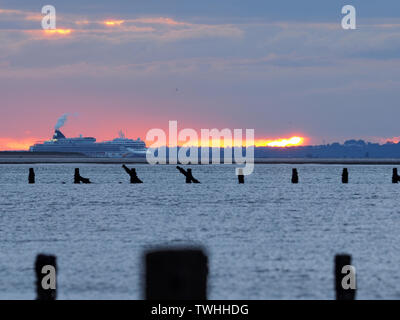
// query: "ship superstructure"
[[117, 148]]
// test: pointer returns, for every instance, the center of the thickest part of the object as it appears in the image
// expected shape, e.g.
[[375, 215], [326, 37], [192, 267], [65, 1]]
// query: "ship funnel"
[[58, 135]]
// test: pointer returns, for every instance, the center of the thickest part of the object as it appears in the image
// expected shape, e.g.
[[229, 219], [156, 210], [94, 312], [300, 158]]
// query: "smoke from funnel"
[[61, 121]]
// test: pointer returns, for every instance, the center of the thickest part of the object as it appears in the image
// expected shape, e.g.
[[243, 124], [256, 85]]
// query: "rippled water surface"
[[266, 239]]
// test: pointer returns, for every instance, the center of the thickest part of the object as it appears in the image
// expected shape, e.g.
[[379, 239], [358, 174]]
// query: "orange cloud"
[[58, 31], [82, 22], [114, 22], [160, 20], [9, 11], [26, 15], [33, 17]]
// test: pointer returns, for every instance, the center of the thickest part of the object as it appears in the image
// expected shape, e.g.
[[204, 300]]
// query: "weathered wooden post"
[[188, 174], [342, 293], [176, 274], [46, 271], [192, 179], [395, 176], [295, 176], [241, 176], [345, 176], [132, 173], [78, 178], [31, 178]]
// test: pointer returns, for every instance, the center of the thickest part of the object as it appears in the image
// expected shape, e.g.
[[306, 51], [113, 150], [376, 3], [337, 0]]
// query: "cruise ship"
[[120, 147]]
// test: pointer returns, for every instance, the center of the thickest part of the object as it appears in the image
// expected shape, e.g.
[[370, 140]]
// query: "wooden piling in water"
[[295, 176], [241, 176], [345, 176], [78, 178], [188, 175], [395, 176], [31, 177], [342, 260], [42, 261], [176, 274], [132, 173]]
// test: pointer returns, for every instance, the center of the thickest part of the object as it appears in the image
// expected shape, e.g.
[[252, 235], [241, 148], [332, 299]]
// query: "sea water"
[[266, 239]]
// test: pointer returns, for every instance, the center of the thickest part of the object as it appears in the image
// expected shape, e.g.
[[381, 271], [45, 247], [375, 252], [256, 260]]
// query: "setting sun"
[[290, 142]]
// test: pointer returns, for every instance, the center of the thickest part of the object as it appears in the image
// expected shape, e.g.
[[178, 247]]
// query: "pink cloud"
[[159, 20]]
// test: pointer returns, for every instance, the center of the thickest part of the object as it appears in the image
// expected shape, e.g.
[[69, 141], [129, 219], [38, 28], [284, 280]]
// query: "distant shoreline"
[[82, 160]]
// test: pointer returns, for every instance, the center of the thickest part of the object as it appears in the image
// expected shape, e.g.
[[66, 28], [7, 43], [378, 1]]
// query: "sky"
[[282, 68]]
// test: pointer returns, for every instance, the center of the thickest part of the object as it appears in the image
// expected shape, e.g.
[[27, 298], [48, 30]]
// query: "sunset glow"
[[16, 144], [114, 22], [24, 144], [221, 143], [290, 142]]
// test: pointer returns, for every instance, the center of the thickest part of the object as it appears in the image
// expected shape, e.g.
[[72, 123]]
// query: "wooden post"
[[188, 175], [132, 173], [176, 274], [345, 176], [241, 176], [43, 260], [31, 178], [77, 176], [295, 176], [395, 176], [192, 179], [342, 260]]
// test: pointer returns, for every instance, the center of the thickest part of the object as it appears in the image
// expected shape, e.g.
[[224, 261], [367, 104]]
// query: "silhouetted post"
[[295, 176], [188, 174], [176, 275], [342, 260], [77, 176], [192, 179], [78, 179], [31, 178], [345, 176], [132, 174], [395, 176], [241, 176], [42, 292]]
